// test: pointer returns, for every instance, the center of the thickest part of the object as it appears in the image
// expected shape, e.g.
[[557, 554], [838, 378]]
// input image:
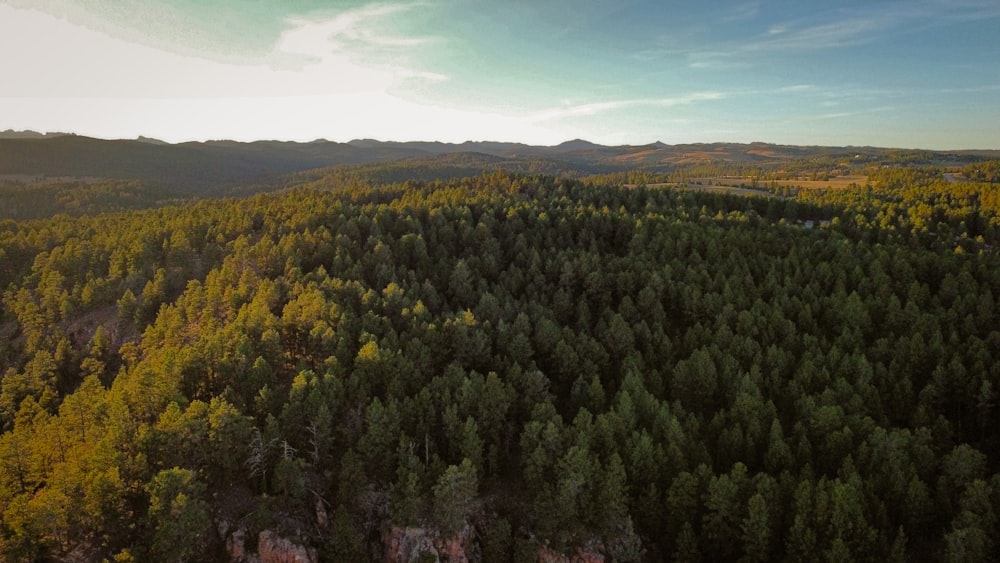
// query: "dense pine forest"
[[510, 366]]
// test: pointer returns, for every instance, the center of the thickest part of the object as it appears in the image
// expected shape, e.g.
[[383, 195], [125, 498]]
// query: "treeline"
[[917, 206], [652, 374], [443, 167], [988, 171]]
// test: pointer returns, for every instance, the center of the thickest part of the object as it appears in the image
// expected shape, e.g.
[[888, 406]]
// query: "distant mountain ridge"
[[12, 134], [194, 166]]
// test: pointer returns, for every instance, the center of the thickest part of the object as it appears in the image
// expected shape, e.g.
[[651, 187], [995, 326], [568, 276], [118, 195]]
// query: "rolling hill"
[[195, 167]]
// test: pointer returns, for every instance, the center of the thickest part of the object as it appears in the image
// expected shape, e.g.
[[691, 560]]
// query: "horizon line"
[[10, 134]]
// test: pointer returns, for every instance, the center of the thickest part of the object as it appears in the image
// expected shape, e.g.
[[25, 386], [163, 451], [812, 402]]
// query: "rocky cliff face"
[[400, 545], [407, 545], [271, 548], [275, 549], [546, 555]]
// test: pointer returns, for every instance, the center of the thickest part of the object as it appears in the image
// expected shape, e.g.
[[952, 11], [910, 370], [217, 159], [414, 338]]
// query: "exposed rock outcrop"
[[453, 550], [236, 546], [271, 548], [457, 549], [546, 555], [322, 516], [406, 545]]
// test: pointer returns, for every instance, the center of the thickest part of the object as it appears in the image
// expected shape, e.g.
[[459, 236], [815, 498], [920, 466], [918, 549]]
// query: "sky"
[[911, 73]]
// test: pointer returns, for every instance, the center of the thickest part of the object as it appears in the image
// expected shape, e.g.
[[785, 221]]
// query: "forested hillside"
[[519, 363], [230, 168]]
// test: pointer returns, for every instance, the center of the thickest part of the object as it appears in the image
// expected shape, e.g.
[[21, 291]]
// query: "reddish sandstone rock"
[[546, 555], [236, 546], [452, 551], [455, 550], [587, 557], [275, 549], [405, 545]]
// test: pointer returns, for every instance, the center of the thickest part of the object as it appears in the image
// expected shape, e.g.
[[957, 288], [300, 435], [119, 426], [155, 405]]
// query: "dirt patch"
[[768, 153], [838, 182], [81, 328], [640, 156]]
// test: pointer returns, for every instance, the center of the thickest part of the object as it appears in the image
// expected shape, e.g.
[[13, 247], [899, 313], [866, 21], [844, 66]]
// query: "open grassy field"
[[742, 185], [743, 181], [707, 188]]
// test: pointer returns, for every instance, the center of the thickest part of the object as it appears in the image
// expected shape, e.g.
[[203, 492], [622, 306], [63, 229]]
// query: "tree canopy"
[[661, 373]]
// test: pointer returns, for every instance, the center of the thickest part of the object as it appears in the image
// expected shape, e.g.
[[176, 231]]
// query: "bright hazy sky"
[[909, 73]]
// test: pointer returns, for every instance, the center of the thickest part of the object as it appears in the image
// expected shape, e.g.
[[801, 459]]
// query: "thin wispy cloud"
[[971, 89], [742, 12], [855, 113], [829, 29], [714, 60], [966, 10], [796, 88], [841, 33], [847, 28], [583, 110], [659, 53], [360, 34]]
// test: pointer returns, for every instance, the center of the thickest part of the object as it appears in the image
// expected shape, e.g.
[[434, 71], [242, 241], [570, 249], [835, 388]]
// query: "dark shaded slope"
[[188, 167], [217, 167]]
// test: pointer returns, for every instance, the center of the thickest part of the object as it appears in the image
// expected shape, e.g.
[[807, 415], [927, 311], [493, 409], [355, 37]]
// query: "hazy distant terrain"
[[214, 167]]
